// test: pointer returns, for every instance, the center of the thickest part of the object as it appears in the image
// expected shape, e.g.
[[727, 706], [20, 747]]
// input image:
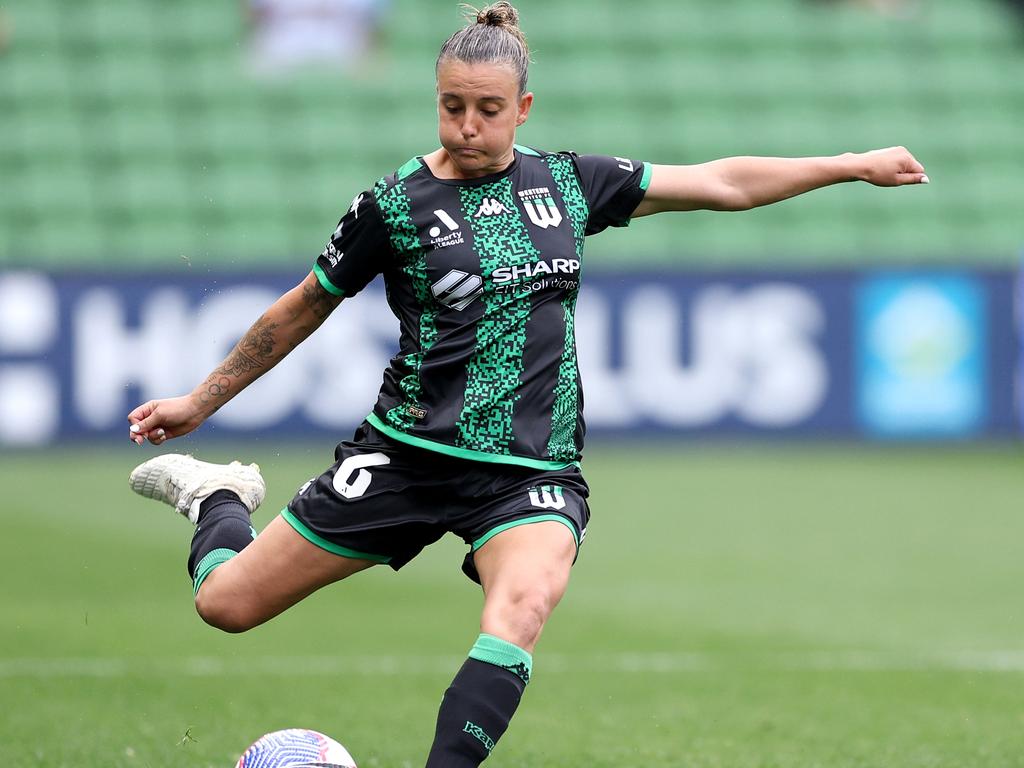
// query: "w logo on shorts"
[[547, 497]]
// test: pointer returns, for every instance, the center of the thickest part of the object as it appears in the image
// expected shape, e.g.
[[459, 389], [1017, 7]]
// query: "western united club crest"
[[540, 207]]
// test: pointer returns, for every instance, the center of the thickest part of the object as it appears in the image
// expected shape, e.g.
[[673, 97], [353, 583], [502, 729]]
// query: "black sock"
[[222, 532], [479, 704]]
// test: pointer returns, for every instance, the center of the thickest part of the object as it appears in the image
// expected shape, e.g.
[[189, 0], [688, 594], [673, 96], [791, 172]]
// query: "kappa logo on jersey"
[[454, 236], [547, 497], [491, 207], [540, 207], [457, 289], [355, 206], [331, 252]]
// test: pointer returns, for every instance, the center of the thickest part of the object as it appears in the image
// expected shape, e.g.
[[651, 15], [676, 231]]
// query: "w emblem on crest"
[[543, 212], [547, 497]]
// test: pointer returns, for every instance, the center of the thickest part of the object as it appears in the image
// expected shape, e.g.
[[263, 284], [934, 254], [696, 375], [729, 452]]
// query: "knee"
[[223, 614], [520, 615]]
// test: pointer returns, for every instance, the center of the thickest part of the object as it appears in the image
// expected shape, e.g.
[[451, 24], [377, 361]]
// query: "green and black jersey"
[[483, 275]]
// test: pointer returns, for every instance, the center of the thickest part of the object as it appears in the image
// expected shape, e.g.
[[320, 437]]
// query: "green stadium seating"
[[135, 134]]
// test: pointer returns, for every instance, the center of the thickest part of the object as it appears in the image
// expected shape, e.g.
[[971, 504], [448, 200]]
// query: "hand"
[[892, 167], [160, 420]]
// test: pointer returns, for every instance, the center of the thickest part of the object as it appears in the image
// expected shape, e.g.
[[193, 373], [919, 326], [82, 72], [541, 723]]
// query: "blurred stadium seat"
[[133, 135]]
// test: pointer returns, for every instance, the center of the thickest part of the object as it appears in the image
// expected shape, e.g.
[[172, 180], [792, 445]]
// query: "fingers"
[[141, 412], [161, 420], [145, 429], [145, 425], [895, 167], [138, 436], [910, 171], [149, 423]]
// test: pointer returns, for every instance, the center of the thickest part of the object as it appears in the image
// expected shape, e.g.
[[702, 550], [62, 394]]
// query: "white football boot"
[[184, 482]]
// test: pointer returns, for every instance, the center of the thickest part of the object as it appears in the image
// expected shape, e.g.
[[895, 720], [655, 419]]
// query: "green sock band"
[[208, 563], [501, 653]]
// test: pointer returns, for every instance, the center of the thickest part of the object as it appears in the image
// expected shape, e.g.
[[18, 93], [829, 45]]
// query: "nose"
[[469, 127]]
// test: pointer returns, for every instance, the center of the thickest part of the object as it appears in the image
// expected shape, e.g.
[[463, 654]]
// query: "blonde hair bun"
[[498, 15]]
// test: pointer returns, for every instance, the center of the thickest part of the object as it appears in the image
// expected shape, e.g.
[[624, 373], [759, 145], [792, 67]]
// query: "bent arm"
[[279, 330], [742, 183]]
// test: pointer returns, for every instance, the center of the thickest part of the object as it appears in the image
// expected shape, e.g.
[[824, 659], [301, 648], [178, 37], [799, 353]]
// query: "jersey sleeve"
[[358, 250], [613, 186]]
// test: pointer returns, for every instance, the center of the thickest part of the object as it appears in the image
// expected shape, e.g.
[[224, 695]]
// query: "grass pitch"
[[764, 607]]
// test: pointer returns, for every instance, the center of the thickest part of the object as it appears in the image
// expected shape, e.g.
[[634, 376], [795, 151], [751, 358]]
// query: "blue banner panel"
[[835, 354], [922, 344], [1019, 348], [717, 353]]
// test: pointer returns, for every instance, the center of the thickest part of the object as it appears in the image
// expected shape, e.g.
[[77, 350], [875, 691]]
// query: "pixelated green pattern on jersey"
[[395, 209], [565, 411], [493, 372]]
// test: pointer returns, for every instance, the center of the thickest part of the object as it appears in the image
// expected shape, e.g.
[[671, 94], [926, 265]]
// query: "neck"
[[443, 166]]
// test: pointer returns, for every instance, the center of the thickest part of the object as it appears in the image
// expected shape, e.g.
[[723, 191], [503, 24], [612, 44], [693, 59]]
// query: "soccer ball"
[[296, 748]]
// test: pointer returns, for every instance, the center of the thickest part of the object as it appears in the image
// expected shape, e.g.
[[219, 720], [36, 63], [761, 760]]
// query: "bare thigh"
[[275, 572], [524, 572]]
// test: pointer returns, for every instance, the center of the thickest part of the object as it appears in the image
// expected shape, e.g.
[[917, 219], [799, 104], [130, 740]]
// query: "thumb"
[[912, 178], [144, 419], [148, 424]]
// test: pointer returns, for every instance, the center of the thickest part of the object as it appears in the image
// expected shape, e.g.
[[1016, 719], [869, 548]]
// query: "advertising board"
[[834, 354]]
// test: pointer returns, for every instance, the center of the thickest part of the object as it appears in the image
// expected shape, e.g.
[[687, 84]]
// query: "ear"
[[525, 103]]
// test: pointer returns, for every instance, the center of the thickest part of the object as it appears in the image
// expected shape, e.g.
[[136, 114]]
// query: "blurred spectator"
[[899, 8], [288, 34], [6, 28]]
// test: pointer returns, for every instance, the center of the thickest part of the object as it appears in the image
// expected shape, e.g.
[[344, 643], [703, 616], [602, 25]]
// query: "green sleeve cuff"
[[645, 180], [326, 282]]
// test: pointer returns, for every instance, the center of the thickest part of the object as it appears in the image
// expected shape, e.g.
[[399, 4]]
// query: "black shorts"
[[385, 501]]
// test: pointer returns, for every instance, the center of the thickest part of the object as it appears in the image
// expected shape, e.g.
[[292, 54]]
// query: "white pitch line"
[[384, 665]]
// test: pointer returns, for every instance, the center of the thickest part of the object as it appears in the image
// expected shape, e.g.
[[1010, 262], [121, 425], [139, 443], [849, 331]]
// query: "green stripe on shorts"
[[323, 543], [526, 521]]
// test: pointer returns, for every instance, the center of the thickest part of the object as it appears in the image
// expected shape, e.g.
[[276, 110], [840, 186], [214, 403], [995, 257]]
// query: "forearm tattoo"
[[255, 352], [320, 302], [215, 388], [258, 351]]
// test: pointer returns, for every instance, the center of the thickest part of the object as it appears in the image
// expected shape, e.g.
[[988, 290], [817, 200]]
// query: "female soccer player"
[[478, 427]]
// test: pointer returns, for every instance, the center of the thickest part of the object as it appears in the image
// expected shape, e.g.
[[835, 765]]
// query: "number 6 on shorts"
[[362, 480]]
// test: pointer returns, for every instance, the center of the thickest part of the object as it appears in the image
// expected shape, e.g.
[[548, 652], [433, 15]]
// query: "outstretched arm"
[[741, 183], [280, 329]]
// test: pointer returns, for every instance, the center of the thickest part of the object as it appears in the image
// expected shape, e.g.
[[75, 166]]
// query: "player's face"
[[479, 109]]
